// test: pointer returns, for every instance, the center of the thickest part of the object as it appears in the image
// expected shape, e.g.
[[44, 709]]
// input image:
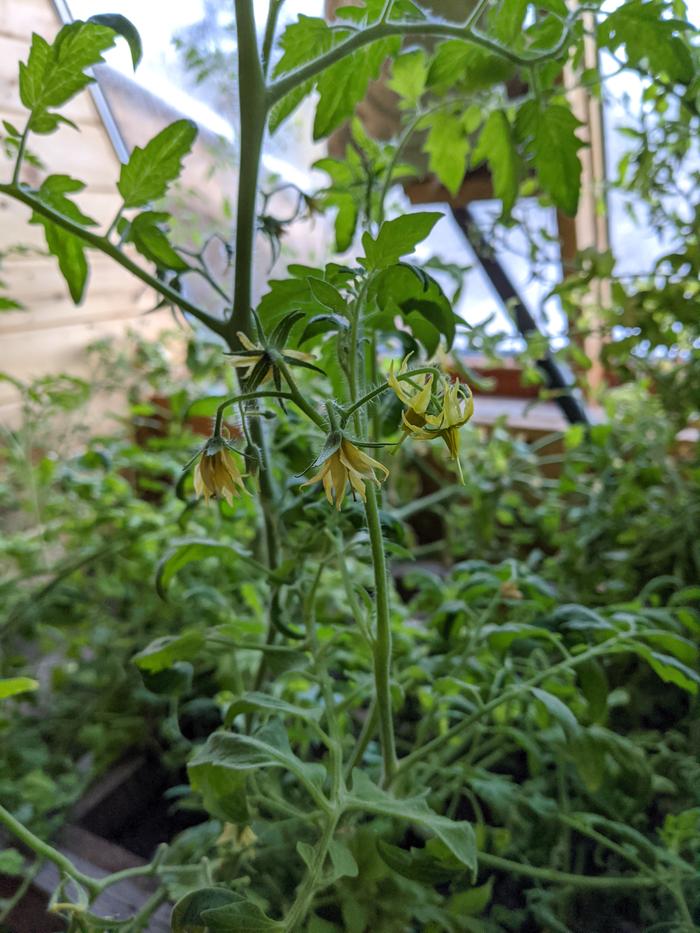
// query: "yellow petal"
[[247, 342]]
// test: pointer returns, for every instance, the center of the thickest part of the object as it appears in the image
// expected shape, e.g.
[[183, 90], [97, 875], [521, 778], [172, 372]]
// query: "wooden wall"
[[51, 335]]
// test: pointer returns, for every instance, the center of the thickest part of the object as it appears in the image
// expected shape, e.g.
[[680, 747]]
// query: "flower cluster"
[[428, 416]]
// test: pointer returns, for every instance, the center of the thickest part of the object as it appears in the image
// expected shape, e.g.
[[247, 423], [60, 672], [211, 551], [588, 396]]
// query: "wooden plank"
[[62, 349], [14, 218], [87, 155], [39, 286], [20, 18]]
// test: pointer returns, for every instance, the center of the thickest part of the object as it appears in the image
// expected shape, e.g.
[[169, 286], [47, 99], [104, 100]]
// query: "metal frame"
[[103, 109], [571, 407]]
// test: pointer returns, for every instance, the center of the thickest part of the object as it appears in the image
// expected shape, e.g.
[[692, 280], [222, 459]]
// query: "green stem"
[[245, 397], [20, 153], [429, 501], [253, 114], [269, 37], [368, 729], [46, 851], [382, 642], [603, 883], [383, 30], [104, 245], [307, 889], [296, 395]]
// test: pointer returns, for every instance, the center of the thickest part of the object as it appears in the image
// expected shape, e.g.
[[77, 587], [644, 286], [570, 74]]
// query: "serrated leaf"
[[124, 28], [497, 146], [456, 61], [458, 836], [506, 19], [550, 135], [165, 651], [397, 238], [288, 104], [65, 246], [149, 171], [342, 86], [11, 686], [409, 74], [652, 40], [185, 552], [53, 74], [447, 146], [150, 239], [303, 40]]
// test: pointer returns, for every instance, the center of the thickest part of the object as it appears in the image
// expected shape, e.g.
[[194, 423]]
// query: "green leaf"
[[653, 41], [190, 550], [447, 146], [343, 862], [342, 86], [328, 296], [497, 147], [187, 913], [55, 73], [550, 136], [417, 864], [670, 669], [506, 19], [124, 28], [557, 710], [11, 686], [409, 75], [65, 246], [304, 39], [223, 793], [166, 650], [149, 171], [473, 902], [501, 637], [457, 836], [267, 748], [12, 863], [396, 238], [150, 239], [264, 703], [456, 62], [241, 916], [419, 299]]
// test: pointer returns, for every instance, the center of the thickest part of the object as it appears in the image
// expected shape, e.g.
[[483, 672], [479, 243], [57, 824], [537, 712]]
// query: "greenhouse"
[[350, 466]]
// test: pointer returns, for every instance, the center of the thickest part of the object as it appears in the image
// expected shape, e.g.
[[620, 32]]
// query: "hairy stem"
[[382, 641], [384, 30], [104, 245], [253, 114]]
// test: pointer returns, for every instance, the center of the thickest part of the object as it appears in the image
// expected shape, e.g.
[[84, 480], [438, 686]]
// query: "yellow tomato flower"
[[248, 360], [217, 473], [346, 463], [415, 397], [457, 409]]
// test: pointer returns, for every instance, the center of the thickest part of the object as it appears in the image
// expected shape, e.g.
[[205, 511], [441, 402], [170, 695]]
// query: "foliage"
[[502, 744]]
